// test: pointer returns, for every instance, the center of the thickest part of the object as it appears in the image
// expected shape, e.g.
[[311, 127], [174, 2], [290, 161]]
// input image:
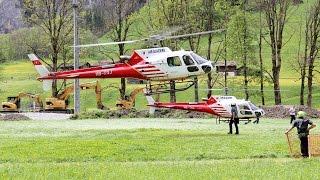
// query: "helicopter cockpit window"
[[187, 60], [198, 59], [253, 107], [245, 109], [174, 61]]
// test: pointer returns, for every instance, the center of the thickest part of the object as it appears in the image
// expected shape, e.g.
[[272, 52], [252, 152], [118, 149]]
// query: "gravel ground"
[[115, 124], [47, 116], [64, 128], [62, 121]]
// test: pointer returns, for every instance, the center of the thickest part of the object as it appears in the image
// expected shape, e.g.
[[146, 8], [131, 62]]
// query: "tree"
[[210, 19], [312, 45], [209, 11], [276, 17], [240, 38], [55, 19], [302, 61], [175, 13], [261, 63], [26, 40], [119, 12]]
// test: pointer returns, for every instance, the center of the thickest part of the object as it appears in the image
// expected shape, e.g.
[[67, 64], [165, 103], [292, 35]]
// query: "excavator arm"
[[56, 103], [134, 94], [128, 103], [97, 87], [65, 94]]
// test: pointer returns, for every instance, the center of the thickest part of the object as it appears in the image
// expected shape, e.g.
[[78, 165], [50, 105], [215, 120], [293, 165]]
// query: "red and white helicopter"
[[216, 105], [153, 64]]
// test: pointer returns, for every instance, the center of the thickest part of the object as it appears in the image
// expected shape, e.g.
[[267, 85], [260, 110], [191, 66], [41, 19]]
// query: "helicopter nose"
[[207, 68]]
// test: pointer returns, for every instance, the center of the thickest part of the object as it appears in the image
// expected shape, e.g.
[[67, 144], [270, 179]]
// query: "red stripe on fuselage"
[[121, 70], [154, 70], [201, 107], [144, 67]]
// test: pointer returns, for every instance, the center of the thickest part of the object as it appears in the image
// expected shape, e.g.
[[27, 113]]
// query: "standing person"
[[234, 119], [292, 113], [303, 128], [257, 120]]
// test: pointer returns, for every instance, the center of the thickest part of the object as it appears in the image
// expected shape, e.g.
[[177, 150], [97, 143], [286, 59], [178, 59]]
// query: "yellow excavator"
[[14, 102], [61, 101], [129, 101]]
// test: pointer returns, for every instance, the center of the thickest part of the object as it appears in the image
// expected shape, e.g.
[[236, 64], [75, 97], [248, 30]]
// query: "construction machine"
[[14, 102], [61, 102], [129, 101]]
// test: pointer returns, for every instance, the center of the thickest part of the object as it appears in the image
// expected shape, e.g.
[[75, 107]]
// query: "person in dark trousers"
[[234, 119], [303, 128], [257, 120], [292, 113]]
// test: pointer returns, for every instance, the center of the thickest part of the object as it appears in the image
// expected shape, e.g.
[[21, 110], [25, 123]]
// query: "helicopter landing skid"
[[163, 88]]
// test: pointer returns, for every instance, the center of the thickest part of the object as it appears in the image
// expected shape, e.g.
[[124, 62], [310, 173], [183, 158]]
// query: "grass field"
[[148, 149]]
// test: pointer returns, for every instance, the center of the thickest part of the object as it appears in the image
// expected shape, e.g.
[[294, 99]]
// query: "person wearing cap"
[[234, 119], [303, 128]]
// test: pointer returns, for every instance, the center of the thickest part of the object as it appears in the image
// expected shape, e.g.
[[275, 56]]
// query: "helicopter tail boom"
[[42, 70]]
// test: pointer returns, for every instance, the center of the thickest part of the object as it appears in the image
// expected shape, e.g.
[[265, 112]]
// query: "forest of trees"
[[248, 27]]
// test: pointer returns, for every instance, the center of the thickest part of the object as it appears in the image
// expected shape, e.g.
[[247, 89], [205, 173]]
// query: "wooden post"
[[289, 143]]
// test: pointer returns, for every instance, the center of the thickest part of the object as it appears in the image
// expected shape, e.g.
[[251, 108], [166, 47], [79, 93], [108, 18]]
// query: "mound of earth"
[[162, 113], [282, 111], [13, 117]]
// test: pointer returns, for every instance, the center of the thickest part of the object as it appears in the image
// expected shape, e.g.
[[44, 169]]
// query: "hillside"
[[11, 12], [10, 15]]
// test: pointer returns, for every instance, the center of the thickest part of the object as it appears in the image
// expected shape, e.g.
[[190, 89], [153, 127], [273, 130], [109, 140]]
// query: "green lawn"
[[20, 76], [148, 149]]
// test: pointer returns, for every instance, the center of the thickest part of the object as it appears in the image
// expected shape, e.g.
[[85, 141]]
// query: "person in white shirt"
[[292, 113]]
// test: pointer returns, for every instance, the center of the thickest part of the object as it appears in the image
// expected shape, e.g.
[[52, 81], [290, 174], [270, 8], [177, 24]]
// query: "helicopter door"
[[176, 69], [191, 66], [245, 110]]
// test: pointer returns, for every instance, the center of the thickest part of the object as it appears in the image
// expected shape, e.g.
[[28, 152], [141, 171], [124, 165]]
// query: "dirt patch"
[[13, 117], [282, 111]]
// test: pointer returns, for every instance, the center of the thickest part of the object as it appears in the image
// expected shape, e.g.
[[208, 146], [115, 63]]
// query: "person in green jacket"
[[303, 128]]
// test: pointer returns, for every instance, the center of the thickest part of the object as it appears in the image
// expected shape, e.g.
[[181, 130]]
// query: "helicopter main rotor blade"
[[154, 37], [108, 44], [194, 34]]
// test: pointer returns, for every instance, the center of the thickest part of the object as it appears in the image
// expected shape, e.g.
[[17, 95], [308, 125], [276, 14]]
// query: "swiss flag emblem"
[[135, 59], [36, 62]]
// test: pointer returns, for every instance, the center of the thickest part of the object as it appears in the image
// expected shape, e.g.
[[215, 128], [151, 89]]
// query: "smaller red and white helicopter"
[[217, 105]]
